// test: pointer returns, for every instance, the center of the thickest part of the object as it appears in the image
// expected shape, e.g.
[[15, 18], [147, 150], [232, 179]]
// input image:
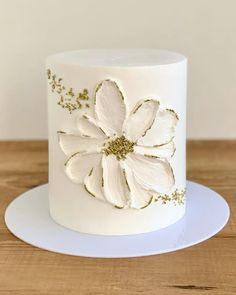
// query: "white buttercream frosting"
[[127, 149]]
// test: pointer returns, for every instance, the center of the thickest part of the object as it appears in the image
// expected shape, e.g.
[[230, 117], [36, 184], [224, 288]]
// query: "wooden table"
[[207, 268]]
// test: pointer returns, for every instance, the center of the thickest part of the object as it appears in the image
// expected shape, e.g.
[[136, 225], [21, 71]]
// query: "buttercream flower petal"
[[87, 126], [109, 107], [93, 182], [164, 151], [162, 130], [114, 185], [151, 173], [80, 164], [74, 143], [141, 119], [139, 197]]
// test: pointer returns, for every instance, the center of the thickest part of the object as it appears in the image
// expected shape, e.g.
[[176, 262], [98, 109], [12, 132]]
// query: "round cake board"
[[28, 218]]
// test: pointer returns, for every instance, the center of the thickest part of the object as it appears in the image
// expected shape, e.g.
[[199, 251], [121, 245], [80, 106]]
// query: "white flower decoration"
[[119, 158]]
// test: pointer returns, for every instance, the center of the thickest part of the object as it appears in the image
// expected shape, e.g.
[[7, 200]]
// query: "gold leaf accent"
[[136, 109], [118, 207], [157, 145], [138, 106], [88, 191], [102, 130], [151, 156], [173, 152], [85, 135], [83, 95], [172, 111], [91, 171], [89, 120], [96, 90], [61, 132], [126, 181], [149, 203], [145, 132], [100, 85], [68, 99], [177, 197], [73, 155], [102, 178]]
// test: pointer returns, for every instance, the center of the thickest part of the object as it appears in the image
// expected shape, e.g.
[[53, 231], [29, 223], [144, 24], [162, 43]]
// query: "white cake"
[[117, 139]]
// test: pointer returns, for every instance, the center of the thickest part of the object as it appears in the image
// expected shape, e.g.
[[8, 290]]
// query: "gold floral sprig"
[[177, 197], [68, 98]]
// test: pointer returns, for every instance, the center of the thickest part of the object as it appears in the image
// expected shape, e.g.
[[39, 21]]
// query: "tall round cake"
[[117, 137]]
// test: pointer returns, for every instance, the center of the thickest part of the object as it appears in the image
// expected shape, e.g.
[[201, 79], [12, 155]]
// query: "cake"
[[117, 120]]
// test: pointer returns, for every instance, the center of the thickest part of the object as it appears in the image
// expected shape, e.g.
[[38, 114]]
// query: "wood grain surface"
[[207, 268]]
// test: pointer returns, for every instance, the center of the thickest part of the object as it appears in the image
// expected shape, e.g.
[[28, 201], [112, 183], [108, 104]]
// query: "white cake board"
[[27, 217]]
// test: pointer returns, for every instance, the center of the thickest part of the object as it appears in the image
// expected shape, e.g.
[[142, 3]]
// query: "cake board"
[[28, 218]]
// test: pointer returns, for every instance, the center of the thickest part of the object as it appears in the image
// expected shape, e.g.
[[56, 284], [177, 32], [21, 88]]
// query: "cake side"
[[116, 146]]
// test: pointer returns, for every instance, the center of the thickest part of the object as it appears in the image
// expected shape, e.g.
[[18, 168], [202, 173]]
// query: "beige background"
[[203, 30]]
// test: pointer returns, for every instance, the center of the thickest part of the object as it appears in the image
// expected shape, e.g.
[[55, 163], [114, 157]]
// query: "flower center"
[[119, 147]]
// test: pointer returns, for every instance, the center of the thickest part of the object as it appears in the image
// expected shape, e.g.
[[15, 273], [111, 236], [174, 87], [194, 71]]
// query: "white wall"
[[204, 30]]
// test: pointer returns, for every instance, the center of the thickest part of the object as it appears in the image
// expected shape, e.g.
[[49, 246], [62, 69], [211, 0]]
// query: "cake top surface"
[[117, 57]]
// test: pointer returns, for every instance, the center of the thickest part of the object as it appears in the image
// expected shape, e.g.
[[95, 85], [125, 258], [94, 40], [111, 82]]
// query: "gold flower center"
[[119, 147]]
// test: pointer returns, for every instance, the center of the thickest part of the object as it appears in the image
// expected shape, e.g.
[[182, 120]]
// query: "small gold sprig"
[[67, 97], [177, 197]]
